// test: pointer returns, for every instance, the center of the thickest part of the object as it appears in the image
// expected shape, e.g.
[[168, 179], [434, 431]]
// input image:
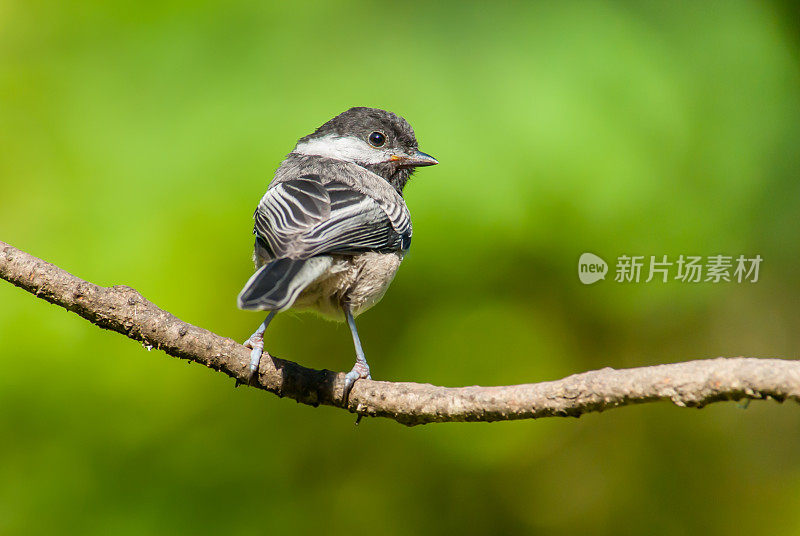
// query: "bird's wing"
[[302, 218]]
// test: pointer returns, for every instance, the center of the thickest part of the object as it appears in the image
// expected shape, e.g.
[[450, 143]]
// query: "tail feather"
[[276, 285]]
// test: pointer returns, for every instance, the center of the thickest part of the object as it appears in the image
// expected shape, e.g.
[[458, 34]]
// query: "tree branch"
[[123, 309]]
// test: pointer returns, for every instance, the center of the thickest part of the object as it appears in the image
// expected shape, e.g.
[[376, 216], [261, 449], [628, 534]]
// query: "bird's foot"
[[359, 371], [256, 344]]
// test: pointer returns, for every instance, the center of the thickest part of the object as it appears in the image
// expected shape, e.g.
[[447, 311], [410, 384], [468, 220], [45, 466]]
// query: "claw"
[[256, 344], [360, 371]]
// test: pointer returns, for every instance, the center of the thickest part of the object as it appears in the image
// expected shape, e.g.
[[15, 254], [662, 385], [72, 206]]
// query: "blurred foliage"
[[136, 139]]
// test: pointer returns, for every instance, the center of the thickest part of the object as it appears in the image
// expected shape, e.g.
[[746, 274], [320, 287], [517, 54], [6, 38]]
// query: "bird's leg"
[[360, 369], [256, 343]]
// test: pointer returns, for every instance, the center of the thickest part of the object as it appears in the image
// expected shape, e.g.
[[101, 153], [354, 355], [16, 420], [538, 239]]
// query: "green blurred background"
[[136, 139]]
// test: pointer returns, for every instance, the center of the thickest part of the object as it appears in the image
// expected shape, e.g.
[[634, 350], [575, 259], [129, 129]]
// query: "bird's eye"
[[376, 139]]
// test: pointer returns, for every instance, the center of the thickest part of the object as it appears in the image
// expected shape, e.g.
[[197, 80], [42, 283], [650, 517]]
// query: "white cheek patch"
[[349, 149]]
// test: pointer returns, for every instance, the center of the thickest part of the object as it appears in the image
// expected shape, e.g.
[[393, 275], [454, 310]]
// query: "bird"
[[333, 226]]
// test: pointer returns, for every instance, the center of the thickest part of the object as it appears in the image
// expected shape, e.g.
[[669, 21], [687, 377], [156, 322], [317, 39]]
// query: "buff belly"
[[359, 280]]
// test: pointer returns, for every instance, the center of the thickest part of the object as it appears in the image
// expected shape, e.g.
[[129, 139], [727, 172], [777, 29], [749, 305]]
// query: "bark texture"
[[123, 309]]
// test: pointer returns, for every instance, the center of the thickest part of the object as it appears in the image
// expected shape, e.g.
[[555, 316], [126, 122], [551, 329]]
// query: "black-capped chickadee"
[[333, 226]]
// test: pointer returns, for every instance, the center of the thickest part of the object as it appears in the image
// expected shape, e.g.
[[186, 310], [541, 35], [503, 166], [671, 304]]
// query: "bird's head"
[[375, 139]]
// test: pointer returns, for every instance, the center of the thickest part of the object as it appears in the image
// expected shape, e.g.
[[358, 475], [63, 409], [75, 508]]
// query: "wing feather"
[[303, 218]]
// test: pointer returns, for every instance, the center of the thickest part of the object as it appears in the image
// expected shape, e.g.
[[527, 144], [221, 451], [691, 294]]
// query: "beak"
[[417, 159]]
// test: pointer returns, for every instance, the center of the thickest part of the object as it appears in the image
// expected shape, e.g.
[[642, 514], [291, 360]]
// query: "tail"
[[276, 285]]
